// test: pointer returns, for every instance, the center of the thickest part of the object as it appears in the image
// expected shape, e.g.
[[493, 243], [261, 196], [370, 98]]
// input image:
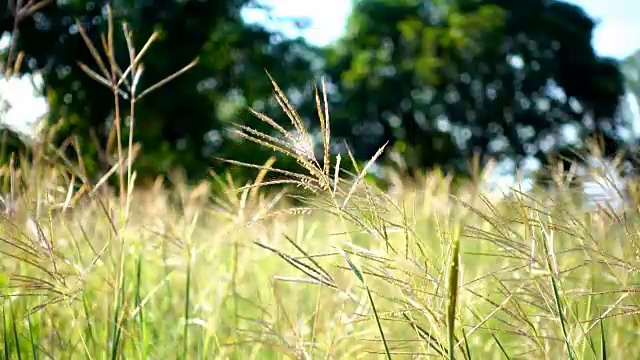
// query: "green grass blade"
[[117, 326], [467, 351], [358, 274], [14, 328], [88, 330], [185, 349], [563, 322], [353, 266], [493, 335], [504, 351], [375, 313], [138, 304], [603, 342], [32, 341], [5, 331]]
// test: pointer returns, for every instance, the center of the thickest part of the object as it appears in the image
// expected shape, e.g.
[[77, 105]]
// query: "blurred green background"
[[440, 81]]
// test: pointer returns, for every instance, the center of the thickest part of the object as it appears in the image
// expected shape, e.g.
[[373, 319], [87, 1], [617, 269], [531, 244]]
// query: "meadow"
[[338, 270], [317, 264]]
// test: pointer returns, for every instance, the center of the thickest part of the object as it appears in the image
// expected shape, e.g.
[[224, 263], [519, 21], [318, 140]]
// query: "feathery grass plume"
[[356, 202], [114, 78]]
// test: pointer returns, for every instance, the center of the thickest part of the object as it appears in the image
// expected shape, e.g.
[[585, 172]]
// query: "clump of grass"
[[521, 238]]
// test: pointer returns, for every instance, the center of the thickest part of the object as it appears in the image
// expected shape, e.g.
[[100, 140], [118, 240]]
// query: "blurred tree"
[[631, 70], [631, 105], [182, 123], [444, 79]]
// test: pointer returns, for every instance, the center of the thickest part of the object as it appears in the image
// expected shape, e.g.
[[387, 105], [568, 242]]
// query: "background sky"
[[618, 32], [617, 35]]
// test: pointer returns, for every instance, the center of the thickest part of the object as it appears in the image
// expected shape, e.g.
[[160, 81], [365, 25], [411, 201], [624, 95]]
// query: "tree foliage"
[[631, 70], [442, 80], [181, 124], [439, 80]]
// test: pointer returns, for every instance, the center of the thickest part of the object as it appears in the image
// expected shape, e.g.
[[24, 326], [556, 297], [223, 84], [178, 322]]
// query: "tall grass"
[[346, 271]]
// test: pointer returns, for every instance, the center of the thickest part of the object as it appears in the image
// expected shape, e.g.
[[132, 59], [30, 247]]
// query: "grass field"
[[346, 271], [250, 277]]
